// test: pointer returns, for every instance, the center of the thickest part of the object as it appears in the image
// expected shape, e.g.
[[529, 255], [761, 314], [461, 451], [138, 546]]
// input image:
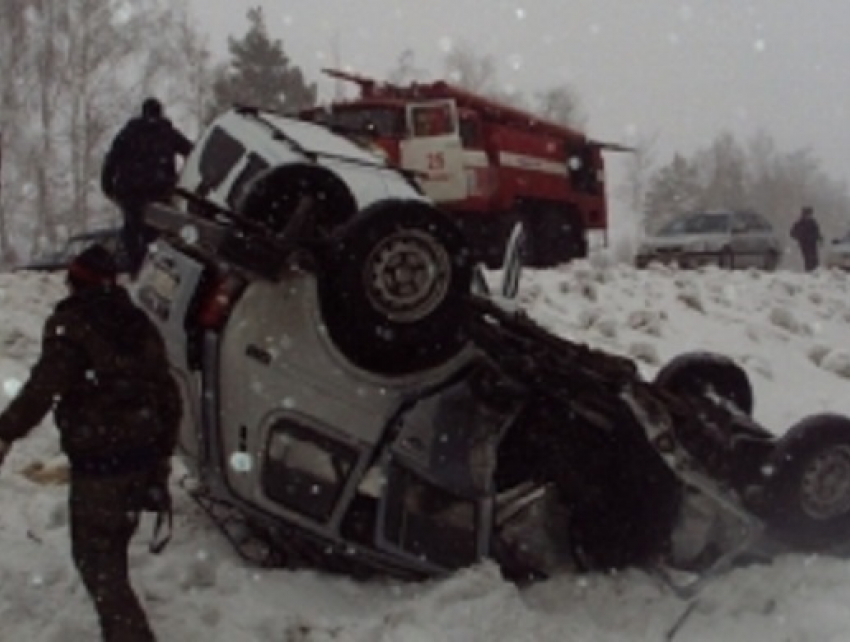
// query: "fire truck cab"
[[487, 164]]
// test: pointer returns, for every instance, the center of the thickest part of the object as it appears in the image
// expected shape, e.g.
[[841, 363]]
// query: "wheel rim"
[[407, 275], [825, 487]]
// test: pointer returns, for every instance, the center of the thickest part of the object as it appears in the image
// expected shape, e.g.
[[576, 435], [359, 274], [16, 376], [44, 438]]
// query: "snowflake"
[[189, 234], [11, 387], [241, 462]]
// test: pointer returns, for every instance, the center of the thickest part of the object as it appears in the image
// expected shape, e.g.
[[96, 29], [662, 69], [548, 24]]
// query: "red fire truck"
[[487, 164]]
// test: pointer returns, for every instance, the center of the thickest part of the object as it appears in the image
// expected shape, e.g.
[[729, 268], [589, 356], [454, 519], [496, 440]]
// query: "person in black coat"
[[806, 232], [103, 373], [140, 168]]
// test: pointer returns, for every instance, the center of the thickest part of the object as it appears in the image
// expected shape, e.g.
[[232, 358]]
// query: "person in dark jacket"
[[806, 232], [104, 374], [139, 168]]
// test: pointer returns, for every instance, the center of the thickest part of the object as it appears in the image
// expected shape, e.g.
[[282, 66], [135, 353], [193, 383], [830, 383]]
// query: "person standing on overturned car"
[[139, 168], [104, 374]]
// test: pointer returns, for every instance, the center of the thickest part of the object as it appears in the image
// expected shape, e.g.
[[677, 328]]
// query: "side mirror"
[[512, 262]]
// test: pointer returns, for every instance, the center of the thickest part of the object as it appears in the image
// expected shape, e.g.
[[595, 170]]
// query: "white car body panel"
[[313, 144], [278, 370]]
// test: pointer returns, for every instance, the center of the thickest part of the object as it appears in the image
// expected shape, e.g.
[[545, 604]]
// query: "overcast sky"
[[685, 70]]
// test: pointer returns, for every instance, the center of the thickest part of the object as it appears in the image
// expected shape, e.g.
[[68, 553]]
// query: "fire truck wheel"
[[274, 195], [554, 235], [806, 499], [392, 288], [708, 375], [535, 251]]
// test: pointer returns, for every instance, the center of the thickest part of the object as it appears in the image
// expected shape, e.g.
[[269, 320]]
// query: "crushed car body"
[[357, 399]]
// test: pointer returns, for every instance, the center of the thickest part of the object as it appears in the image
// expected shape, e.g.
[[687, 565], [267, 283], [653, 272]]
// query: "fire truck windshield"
[[432, 119], [371, 121]]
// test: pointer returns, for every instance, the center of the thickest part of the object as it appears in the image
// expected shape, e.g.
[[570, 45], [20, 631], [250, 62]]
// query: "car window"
[[220, 154], [740, 222], [428, 522], [753, 222], [253, 166], [673, 228], [705, 223], [372, 121], [306, 471], [432, 119], [764, 224]]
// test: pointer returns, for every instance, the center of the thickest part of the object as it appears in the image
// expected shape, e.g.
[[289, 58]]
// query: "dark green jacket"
[[104, 373]]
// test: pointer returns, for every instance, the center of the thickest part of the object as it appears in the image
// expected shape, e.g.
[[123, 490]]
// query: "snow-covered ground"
[[790, 331]]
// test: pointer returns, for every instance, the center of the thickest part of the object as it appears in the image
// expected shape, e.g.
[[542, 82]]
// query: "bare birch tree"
[[14, 90], [72, 73]]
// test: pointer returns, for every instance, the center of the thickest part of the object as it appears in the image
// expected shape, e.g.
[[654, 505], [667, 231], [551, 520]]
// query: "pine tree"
[[260, 74]]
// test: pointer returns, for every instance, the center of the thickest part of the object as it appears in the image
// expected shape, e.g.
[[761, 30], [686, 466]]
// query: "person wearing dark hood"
[[806, 232], [139, 168], [103, 373]]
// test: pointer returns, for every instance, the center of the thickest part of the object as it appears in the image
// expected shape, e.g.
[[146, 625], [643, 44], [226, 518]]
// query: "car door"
[[434, 150], [741, 240], [166, 289], [760, 239]]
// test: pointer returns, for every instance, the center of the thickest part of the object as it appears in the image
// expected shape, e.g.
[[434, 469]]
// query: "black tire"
[[554, 234], [272, 197], [726, 259], [393, 287], [806, 500], [708, 375], [771, 261]]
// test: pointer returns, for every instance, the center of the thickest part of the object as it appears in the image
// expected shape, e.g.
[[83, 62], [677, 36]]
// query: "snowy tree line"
[[72, 72], [730, 173]]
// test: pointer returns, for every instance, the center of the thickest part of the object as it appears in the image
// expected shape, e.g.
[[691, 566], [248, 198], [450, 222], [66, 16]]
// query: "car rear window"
[[306, 471], [220, 155]]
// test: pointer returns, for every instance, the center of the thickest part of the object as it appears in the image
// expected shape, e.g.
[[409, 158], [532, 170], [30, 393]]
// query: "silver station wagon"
[[727, 238]]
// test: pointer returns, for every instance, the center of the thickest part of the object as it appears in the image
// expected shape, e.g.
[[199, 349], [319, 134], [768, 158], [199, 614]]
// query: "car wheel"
[[726, 259], [806, 500], [771, 261], [708, 375], [392, 288]]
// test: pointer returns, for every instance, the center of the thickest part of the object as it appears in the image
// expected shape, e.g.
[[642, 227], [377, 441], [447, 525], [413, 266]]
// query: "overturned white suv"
[[356, 400]]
